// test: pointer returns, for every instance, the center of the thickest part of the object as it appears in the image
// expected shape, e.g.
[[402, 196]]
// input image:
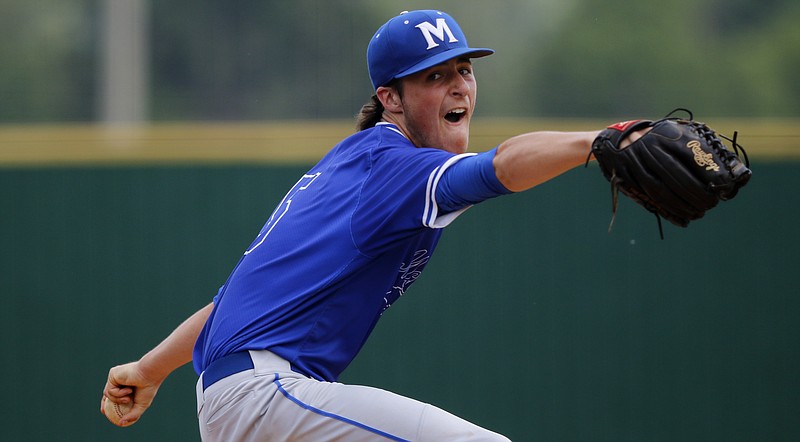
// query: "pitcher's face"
[[437, 106]]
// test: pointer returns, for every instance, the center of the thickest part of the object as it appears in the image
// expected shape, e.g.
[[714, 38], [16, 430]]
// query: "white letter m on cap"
[[428, 30]]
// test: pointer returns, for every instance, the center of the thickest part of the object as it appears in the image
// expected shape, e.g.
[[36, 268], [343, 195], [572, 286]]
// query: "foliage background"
[[253, 60]]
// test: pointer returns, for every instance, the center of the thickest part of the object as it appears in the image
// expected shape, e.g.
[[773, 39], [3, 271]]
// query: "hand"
[[127, 384], [632, 137]]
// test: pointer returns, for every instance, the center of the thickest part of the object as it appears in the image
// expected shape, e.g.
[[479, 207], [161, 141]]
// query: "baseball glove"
[[678, 170]]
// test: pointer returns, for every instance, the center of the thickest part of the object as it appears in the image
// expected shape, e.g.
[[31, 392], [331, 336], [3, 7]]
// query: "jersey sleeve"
[[410, 188], [461, 182], [395, 197]]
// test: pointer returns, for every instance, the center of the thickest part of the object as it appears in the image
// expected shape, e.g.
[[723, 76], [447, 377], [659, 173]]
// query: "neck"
[[391, 118]]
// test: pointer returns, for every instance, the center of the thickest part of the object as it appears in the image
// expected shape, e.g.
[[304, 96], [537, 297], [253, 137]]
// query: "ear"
[[390, 99]]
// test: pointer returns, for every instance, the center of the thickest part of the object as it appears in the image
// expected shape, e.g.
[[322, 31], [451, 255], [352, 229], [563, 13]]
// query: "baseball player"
[[346, 242]]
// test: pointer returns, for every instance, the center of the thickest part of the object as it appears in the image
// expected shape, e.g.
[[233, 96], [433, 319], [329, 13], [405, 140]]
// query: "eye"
[[434, 76]]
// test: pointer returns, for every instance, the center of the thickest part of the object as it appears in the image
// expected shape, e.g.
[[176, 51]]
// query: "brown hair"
[[370, 114]]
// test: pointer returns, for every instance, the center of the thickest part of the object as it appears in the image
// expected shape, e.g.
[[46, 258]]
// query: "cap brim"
[[443, 57]]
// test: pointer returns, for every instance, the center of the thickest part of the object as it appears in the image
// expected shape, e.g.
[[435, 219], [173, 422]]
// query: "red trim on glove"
[[623, 125]]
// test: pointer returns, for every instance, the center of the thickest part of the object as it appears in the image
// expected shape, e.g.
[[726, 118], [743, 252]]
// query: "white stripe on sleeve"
[[430, 217]]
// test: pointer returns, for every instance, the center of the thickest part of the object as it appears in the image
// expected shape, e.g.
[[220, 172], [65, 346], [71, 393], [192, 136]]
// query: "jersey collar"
[[391, 127]]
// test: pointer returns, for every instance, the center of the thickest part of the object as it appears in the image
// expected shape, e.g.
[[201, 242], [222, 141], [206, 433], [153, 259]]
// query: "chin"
[[460, 144]]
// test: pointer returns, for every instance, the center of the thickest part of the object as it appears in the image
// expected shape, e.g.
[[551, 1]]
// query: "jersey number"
[[282, 209]]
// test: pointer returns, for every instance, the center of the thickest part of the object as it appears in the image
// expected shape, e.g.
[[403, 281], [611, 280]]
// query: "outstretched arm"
[[517, 164], [530, 159], [138, 382]]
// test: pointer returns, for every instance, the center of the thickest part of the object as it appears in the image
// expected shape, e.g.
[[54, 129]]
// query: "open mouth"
[[456, 115]]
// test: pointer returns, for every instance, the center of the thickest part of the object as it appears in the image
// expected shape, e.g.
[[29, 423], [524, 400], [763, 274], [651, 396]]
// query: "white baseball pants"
[[273, 403]]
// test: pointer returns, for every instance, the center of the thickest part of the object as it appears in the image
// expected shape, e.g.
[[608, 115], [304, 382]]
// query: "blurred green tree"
[[47, 60], [635, 58], [272, 59]]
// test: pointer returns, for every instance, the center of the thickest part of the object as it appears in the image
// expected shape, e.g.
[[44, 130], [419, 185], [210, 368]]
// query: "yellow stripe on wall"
[[295, 142]]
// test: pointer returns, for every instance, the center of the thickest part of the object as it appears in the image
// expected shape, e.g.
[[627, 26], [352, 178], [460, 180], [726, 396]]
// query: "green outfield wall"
[[532, 319]]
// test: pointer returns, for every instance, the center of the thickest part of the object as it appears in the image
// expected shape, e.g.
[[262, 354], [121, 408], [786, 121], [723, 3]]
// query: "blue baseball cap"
[[414, 41]]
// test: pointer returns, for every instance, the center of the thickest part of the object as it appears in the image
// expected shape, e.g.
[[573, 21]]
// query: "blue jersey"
[[345, 243]]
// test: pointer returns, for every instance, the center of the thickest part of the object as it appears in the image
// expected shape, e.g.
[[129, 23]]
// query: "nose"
[[460, 86]]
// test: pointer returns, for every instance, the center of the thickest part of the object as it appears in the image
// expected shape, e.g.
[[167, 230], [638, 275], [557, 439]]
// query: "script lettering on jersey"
[[409, 272], [282, 209], [439, 31]]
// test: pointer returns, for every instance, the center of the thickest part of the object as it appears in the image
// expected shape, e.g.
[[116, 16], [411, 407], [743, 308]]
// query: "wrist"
[[153, 368]]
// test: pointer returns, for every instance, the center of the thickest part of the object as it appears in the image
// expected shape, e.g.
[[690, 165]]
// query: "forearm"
[[176, 349], [530, 159]]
